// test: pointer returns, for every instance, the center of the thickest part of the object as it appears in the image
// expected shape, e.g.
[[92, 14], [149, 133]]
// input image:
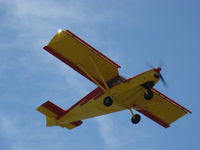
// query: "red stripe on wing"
[[173, 102], [92, 48], [66, 61], [154, 118]]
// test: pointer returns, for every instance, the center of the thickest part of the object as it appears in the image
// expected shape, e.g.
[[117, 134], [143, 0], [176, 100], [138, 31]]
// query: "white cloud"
[[34, 20], [44, 15], [106, 129], [23, 133]]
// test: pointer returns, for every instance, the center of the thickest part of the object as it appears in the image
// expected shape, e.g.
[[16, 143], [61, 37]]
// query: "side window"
[[116, 81]]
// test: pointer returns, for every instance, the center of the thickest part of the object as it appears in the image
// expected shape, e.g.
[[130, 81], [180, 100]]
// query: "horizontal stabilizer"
[[72, 125], [50, 110]]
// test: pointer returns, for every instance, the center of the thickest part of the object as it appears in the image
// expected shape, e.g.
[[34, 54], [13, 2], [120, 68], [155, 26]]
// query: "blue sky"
[[131, 32]]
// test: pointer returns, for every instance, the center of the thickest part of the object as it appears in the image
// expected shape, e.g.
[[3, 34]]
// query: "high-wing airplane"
[[113, 93]]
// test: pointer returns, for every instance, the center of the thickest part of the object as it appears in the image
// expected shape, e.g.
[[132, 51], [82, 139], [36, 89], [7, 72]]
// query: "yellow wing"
[[83, 58], [160, 109]]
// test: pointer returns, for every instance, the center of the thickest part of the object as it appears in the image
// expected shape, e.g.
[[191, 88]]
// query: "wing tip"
[[172, 101]]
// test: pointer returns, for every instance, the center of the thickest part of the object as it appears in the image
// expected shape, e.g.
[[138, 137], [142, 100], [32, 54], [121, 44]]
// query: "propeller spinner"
[[158, 70]]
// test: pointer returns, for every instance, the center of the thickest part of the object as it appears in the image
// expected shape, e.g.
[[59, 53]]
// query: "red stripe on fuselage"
[[92, 95]]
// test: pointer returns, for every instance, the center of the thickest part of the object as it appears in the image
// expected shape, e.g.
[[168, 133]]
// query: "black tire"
[[148, 95], [108, 101], [136, 119]]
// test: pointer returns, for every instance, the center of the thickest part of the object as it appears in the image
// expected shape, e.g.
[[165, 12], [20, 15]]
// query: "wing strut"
[[98, 72], [92, 78], [145, 106]]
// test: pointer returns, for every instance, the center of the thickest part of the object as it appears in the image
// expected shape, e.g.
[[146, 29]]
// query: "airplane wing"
[[161, 109], [83, 58]]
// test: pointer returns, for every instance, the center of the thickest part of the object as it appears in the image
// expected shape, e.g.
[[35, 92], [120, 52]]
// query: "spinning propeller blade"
[[163, 80], [158, 71]]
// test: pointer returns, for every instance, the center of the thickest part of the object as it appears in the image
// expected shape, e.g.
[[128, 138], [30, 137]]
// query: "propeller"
[[163, 79], [159, 73]]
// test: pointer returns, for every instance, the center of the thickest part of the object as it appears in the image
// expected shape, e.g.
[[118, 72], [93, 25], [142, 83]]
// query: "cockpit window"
[[116, 80]]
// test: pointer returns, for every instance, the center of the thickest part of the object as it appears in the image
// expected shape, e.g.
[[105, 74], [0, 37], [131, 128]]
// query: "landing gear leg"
[[148, 94], [135, 117]]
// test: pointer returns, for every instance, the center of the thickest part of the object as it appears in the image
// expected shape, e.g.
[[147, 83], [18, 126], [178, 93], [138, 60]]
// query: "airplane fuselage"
[[123, 94]]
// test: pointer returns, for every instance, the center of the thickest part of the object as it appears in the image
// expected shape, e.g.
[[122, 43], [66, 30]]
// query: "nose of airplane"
[[157, 70]]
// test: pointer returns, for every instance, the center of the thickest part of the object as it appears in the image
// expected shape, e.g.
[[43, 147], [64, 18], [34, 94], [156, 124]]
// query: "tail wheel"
[[108, 101], [148, 94], [135, 119]]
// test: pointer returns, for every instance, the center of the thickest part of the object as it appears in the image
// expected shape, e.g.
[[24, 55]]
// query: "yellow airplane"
[[114, 92]]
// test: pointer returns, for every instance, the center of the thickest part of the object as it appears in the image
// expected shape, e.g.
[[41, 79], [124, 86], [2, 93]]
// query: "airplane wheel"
[[136, 119], [148, 95], [108, 101]]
